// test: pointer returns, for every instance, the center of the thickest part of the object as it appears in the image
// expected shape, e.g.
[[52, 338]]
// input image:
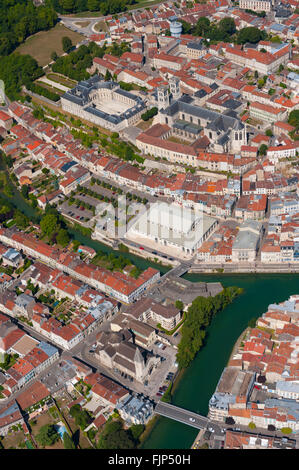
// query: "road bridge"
[[182, 416]]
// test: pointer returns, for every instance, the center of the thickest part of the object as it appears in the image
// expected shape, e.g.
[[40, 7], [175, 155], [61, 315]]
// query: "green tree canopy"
[[250, 34], [114, 436], [49, 224], [47, 435], [62, 237], [66, 44], [68, 442]]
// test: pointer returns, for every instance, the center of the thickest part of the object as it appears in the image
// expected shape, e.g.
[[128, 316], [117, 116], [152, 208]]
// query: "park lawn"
[[42, 44]]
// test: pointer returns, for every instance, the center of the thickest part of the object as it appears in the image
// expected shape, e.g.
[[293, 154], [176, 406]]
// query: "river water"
[[200, 379]]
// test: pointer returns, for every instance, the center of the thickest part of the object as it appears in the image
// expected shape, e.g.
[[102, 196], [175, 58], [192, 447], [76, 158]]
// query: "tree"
[[229, 420], [62, 237], [269, 133], [271, 427], [294, 118], [108, 76], [136, 431], [49, 224], [250, 34], [21, 220], [54, 56], [263, 149], [93, 5], [202, 26], [25, 190], [179, 304], [251, 425], [228, 25], [68, 442], [66, 44], [252, 322], [114, 436], [47, 435]]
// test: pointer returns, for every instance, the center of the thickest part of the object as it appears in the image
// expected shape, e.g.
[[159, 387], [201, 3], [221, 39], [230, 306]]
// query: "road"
[[69, 22], [181, 415]]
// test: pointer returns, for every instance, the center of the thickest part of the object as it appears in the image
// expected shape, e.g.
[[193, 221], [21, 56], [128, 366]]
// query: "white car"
[[192, 420]]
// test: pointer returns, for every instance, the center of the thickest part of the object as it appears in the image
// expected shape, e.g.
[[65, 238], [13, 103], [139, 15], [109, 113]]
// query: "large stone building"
[[189, 122], [117, 351], [256, 5], [104, 104], [168, 226]]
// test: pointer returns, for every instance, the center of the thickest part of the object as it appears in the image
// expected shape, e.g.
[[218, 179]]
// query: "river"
[[200, 379]]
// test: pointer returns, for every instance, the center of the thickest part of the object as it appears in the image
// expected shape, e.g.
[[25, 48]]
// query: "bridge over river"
[[183, 416]]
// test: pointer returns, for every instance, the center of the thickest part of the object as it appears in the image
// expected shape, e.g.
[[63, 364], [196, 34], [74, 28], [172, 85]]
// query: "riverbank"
[[239, 269], [237, 344]]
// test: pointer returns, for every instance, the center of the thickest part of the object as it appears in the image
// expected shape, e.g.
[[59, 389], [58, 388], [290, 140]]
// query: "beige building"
[[255, 5]]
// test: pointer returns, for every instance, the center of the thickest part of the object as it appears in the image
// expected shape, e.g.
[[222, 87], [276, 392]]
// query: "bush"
[[149, 114], [39, 90], [286, 430]]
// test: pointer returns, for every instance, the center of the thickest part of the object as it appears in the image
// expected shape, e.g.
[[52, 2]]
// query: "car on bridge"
[[192, 420]]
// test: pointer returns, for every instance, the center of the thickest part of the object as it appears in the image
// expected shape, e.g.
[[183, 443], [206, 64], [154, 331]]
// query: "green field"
[[41, 45]]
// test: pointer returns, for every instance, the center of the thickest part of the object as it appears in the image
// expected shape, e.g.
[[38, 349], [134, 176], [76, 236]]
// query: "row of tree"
[[198, 318], [225, 31], [105, 7]]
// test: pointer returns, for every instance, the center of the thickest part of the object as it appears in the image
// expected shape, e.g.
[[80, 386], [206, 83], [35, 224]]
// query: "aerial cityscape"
[[149, 225]]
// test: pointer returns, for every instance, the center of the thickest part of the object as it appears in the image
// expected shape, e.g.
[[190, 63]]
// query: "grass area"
[[144, 125], [83, 24], [101, 26], [50, 88], [41, 45], [61, 79], [42, 420], [176, 140], [143, 4], [14, 440]]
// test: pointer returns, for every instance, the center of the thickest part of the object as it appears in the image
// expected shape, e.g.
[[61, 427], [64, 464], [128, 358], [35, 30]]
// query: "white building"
[[168, 225]]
